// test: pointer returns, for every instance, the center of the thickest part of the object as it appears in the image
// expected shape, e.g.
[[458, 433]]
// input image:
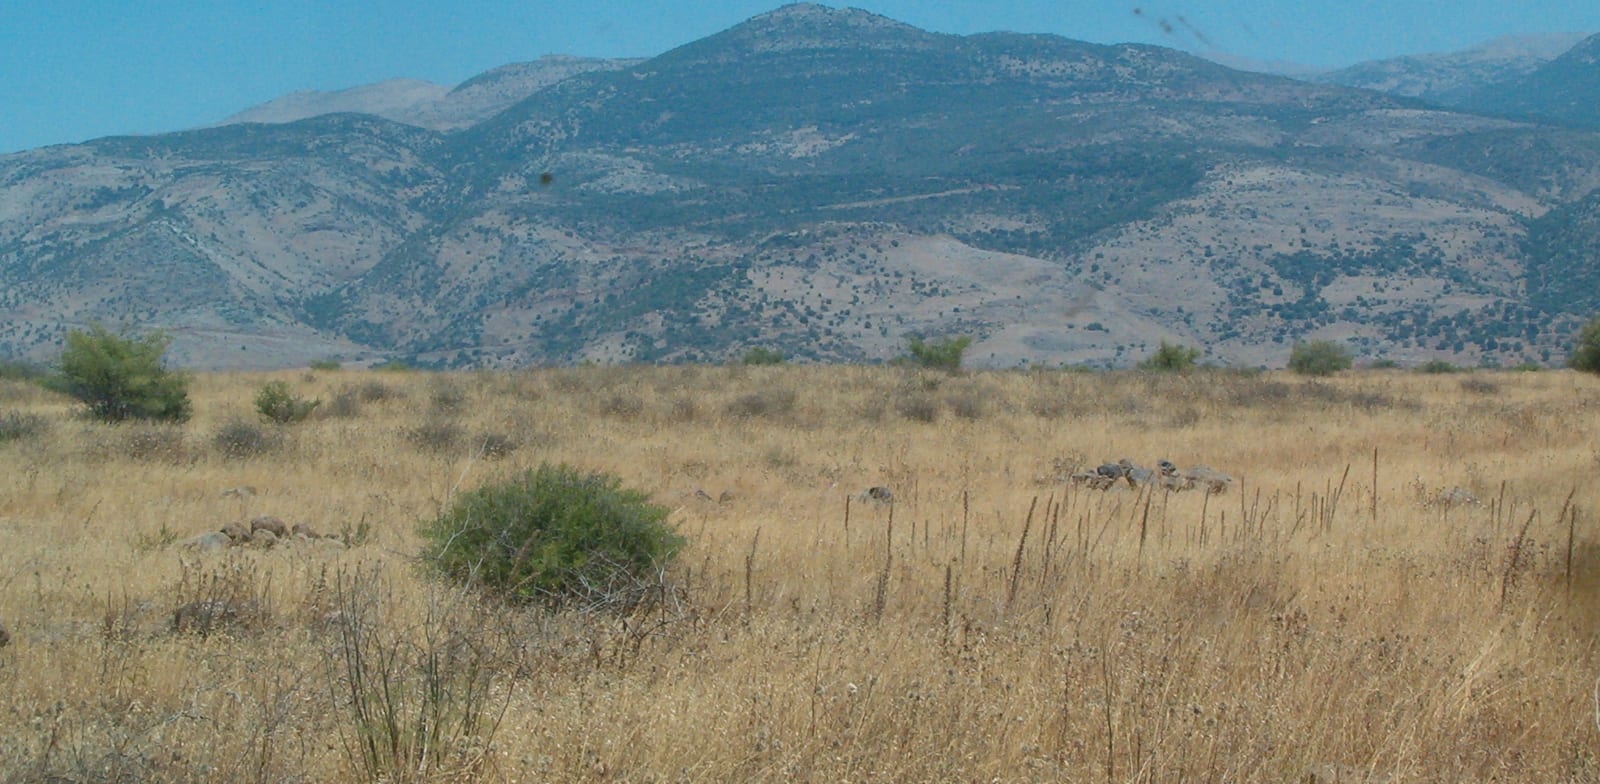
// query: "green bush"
[[276, 403], [760, 355], [1586, 355], [1319, 358], [554, 535], [121, 377], [1171, 357], [17, 370], [325, 365], [942, 354], [1439, 366]]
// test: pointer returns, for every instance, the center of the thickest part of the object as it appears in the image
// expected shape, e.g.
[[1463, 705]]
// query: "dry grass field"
[[1401, 584]]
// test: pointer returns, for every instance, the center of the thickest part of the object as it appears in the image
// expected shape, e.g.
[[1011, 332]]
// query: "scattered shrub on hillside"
[[941, 354], [276, 403], [1586, 352], [760, 355], [1438, 366], [121, 377], [393, 366], [1479, 385], [16, 426], [436, 435], [325, 365], [240, 440], [1383, 364], [1526, 366], [1319, 358], [1171, 358], [555, 535]]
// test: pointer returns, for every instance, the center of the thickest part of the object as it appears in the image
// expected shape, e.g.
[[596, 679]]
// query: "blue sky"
[[72, 70]]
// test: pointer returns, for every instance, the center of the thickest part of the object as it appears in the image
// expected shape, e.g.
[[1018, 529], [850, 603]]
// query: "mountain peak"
[[813, 26]]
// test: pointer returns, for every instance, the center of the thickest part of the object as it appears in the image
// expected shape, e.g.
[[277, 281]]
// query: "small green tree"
[[554, 535], [942, 354], [276, 403], [1586, 355], [121, 377], [1319, 358], [1171, 357], [760, 355]]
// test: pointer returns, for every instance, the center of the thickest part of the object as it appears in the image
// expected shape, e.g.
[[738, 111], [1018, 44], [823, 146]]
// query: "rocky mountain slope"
[[827, 182], [1451, 78]]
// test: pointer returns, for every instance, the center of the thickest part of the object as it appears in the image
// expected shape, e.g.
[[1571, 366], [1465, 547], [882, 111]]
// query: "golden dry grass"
[[993, 624]]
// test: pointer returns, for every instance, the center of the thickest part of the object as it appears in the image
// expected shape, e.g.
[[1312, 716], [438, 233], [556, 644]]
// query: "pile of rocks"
[[1165, 475], [262, 532]]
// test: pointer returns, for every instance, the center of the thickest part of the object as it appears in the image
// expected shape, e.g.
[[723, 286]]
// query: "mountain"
[[1450, 79], [826, 182], [1566, 89], [429, 105]]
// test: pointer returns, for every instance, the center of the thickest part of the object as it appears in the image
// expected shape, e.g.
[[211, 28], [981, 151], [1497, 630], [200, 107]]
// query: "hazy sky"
[[72, 70]]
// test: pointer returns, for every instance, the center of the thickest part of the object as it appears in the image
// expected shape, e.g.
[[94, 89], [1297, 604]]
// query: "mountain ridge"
[[827, 182]]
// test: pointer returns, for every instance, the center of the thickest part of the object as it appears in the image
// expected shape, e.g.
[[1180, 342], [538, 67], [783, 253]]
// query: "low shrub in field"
[[1439, 366], [770, 401], [276, 403], [760, 355], [325, 365], [554, 534], [1586, 352], [437, 435], [120, 377], [918, 407], [238, 440], [154, 442], [941, 354], [16, 427]]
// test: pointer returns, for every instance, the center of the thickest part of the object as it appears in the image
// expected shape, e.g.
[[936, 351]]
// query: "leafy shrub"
[[1383, 364], [276, 403], [1319, 358], [1479, 385], [1586, 354], [554, 534], [760, 355], [17, 426], [121, 377], [393, 366], [1438, 366], [1526, 366], [239, 440], [942, 354], [325, 365], [1171, 358]]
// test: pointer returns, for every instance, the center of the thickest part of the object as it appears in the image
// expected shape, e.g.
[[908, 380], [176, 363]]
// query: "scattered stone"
[[5, 636], [242, 491], [301, 529], [237, 531], [269, 523], [880, 494], [727, 495], [1457, 496], [703, 495], [208, 542], [1214, 481], [264, 538]]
